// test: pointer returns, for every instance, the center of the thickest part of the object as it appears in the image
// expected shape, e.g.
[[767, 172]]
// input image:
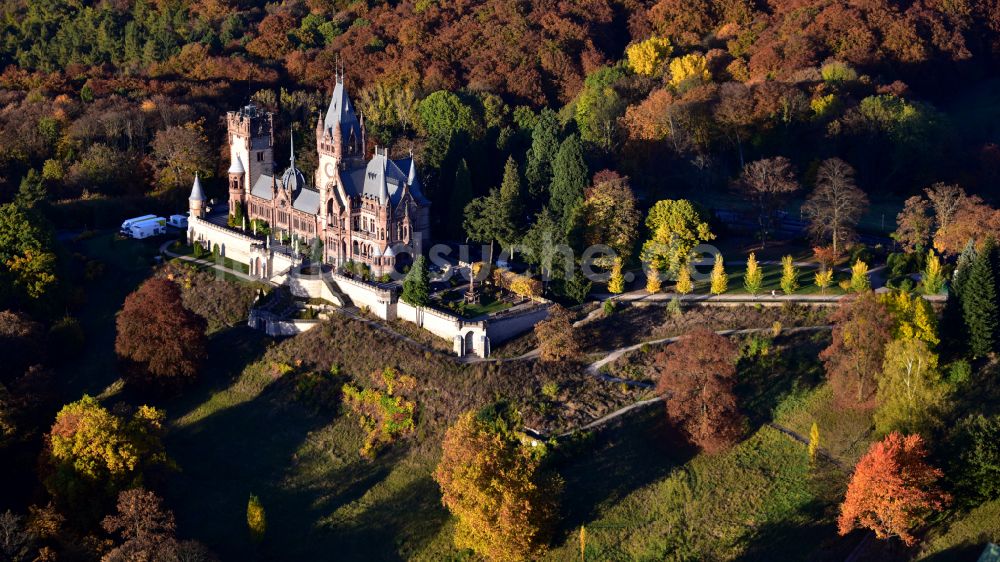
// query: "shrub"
[[550, 390], [608, 307], [256, 520], [381, 411]]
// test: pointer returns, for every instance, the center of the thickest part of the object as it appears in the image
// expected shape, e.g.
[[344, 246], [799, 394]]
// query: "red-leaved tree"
[[892, 489], [158, 339], [697, 376], [855, 355]]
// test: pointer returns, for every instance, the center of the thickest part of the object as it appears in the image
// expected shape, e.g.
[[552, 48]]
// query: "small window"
[[260, 156]]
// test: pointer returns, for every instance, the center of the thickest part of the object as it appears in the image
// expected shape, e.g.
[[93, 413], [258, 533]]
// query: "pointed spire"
[[291, 138], [411, 178], [197, 193], [383, 190]]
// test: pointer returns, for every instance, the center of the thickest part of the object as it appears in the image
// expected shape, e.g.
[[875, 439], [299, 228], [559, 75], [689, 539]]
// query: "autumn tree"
[[256, 518], [648, 57], [158, 339], [146, 530], [496, 486], [910, 390], [611, 214], [179, 152], [932, 280], [92, 452], [836, 204], [676, 227], [689, 71], [753, 276], [684, 283], [892, 490], [856, 353], [914, 224], [556, 339], [616, 282], [697, 376], [970, 218], [859, 277], [719, 278], [789, 275], [768, 183]]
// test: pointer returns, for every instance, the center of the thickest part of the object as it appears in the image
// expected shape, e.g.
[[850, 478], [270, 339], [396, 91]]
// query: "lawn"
[[127, 263], [772, 280], [965, 536]]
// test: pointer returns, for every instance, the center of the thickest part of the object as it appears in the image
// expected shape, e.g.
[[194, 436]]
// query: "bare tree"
[[767, 183], [946, 199], [836, 205]]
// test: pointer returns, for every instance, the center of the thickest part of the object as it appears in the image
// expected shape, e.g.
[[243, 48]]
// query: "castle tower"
[[251, 140], [237, 189], [196, 202]]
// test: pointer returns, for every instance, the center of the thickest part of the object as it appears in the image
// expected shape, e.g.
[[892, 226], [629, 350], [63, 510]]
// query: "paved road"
[[595, 367], [165, 250]]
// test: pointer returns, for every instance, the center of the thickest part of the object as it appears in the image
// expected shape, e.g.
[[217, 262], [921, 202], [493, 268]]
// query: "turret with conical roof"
[[196, 201]]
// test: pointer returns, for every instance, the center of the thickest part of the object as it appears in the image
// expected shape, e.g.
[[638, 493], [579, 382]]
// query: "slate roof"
[[307, 201], [197, 193], [381, 178], [341, 112], [237, 166], [263, 187]]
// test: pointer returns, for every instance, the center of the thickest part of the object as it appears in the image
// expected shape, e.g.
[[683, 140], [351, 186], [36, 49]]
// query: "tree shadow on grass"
[[763, 382], [620, 458], [272, 446]]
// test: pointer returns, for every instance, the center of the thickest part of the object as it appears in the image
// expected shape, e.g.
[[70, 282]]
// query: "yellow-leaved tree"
[[95, 453], [753, 278], [720, 279], [859, 277], [616, 284], [256, 520], [653, 284], [684, 284], [647, 57], [493, 481], [789, 276], [824, 278], [688, 71], [913, 317]]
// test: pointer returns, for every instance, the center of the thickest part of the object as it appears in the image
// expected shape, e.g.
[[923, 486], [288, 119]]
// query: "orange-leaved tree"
[[158, 339], [892, 489], [697, 375], [493, 481]]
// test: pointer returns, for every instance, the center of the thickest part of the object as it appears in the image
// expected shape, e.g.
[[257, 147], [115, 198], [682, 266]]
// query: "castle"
[[360, 211]]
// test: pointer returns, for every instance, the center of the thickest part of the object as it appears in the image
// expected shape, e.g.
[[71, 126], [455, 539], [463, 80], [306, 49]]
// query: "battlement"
[[251, 121]]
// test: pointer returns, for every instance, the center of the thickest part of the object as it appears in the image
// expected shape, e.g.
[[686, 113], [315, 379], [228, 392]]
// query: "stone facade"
[[365, 210]]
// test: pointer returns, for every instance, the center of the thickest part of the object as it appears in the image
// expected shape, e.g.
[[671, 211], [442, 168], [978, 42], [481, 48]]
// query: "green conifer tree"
[[417, 285], [979, 303]]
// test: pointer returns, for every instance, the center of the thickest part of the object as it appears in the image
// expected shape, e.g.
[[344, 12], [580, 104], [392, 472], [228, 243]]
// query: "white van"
[[152, 227], [178, 221], [127, 225]]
